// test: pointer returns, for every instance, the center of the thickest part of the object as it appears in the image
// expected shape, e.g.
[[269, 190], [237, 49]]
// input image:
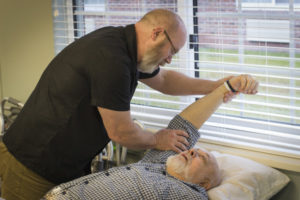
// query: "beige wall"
[[26, 45]]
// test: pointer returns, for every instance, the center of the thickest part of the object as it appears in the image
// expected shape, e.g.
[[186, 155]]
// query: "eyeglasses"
[[168, 37]]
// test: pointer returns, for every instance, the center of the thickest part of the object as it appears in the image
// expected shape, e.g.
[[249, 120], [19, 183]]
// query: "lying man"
[[163, 174]]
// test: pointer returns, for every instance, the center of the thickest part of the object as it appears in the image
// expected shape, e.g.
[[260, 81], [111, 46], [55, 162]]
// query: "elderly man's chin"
[[175, 164]]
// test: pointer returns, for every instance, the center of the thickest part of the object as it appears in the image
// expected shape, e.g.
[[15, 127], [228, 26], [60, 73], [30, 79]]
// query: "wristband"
[[227, 87], [230, 86]]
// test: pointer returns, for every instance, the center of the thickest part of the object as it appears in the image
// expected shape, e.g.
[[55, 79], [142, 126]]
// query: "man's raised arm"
[[194, 116]]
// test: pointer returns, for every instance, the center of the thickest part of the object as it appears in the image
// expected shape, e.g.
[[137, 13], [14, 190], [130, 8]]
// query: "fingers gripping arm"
[[121, 129]]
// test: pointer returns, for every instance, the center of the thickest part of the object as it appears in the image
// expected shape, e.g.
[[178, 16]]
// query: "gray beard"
[[149, 63], [151, 60], [177, 166]]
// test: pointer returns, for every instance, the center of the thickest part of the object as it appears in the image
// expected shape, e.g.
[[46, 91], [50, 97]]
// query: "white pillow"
[[246, 179]]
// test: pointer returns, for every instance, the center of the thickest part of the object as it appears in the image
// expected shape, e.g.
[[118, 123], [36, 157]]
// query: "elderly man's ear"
[[206, 184]]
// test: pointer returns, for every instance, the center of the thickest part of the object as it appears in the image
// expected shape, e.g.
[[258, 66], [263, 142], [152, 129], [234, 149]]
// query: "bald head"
[[165, 18], [160, 34]]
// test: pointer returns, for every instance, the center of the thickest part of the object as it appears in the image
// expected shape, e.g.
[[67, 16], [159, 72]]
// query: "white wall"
[[26, 45]]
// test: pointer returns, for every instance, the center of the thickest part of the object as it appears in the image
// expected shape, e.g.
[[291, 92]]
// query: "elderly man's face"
[[196, 166]]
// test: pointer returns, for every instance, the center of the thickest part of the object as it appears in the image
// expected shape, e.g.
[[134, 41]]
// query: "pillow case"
[[245, 179]]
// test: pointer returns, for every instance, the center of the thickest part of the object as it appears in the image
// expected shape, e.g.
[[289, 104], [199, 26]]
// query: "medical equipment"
[[106, 159], [9, 110]]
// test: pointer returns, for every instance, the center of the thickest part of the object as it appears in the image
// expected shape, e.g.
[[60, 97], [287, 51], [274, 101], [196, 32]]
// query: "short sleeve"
[[111, 84]]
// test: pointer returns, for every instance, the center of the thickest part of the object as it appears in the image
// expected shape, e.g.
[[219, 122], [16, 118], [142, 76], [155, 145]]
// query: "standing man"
[[82, 101]]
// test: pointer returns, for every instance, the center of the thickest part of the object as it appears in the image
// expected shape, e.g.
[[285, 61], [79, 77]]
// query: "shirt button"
[[146, 168], [164, 173], [128, 168], [64, 192], [107, 174], [86, 182]]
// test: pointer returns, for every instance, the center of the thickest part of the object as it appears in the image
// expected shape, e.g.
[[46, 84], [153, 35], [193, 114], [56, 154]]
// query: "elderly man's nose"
[[169, 59], [193, 152]]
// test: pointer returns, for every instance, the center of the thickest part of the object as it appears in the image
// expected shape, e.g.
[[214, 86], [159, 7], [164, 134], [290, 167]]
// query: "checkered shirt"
[[146, 179]]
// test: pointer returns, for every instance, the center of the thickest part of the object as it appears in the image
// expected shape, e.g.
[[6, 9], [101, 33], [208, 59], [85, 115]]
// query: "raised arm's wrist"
[[222, 81], [223, 89]]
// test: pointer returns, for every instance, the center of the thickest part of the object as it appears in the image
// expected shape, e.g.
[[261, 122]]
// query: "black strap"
[[230, 86]]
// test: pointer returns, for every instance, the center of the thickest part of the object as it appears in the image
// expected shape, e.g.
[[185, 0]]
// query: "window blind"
[[225, 37]]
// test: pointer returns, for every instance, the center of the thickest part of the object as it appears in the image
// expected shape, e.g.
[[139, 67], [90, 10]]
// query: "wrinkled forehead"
[[210, 155]]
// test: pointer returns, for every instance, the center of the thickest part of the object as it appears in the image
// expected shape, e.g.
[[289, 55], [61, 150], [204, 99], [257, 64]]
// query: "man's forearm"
[[121, 129], [135, 138], [198, 112], [175, 83], [179, 84]]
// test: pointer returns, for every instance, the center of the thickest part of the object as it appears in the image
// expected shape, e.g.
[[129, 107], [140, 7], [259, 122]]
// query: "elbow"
[[166, 90], [115, 135], [121, 135]]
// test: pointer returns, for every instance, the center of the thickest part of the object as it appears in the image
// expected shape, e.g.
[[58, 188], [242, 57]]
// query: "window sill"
[[269, 159]]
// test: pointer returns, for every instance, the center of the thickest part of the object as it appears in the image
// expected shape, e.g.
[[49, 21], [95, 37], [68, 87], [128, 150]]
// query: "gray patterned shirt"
[[146, 179]]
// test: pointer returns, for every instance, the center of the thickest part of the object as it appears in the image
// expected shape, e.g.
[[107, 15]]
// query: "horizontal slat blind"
[[228, 37], [237, 37]]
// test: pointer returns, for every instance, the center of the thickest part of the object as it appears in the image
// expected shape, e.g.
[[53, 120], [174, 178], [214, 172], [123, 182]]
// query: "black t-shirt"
[[59, 130]]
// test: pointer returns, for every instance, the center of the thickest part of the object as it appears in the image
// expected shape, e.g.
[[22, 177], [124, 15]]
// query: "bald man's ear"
[[155, 32]]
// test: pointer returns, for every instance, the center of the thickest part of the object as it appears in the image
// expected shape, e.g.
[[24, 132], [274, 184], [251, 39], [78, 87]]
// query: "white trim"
[[70, 22], [268, 30], [109, 13]]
